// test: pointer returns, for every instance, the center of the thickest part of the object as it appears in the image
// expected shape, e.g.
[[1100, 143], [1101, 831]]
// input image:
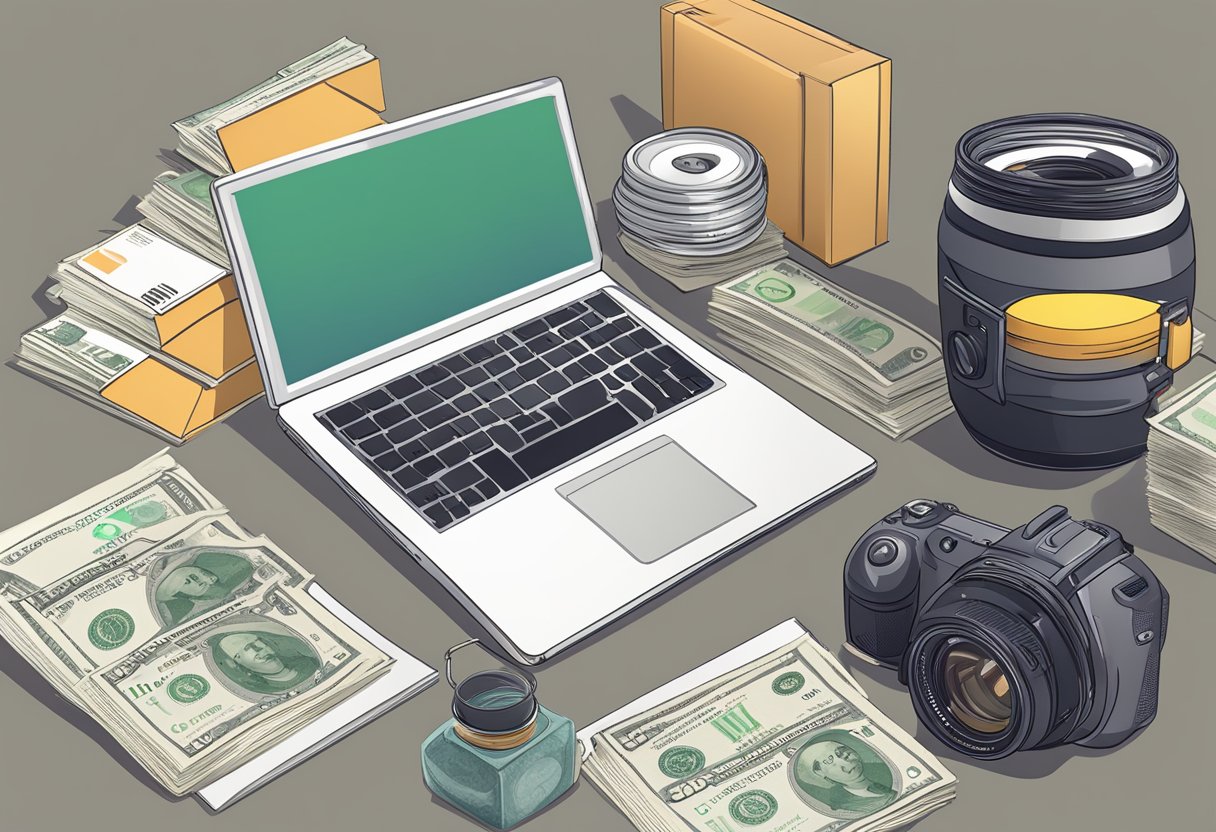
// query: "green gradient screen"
[[354, 253]]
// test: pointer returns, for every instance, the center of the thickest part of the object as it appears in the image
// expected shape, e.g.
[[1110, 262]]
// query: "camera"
[[1047, 634]]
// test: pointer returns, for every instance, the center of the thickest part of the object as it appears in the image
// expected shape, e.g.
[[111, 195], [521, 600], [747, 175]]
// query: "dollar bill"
[[149, 586], [874, 364], [92, 357], [787, 742], [79, 531], [1181, 467], [197, 695], [179, 208]]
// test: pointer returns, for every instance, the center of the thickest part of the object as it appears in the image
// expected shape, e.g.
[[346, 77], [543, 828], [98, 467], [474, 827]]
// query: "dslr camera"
[[1046, 634]]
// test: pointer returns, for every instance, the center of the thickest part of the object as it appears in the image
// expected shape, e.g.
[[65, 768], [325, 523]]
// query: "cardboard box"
[[816, 107]]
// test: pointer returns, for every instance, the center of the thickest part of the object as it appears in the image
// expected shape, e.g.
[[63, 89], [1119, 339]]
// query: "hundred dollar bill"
[[787, 742], [188, 703], [147, 587], [1181, 467], [79, 531]]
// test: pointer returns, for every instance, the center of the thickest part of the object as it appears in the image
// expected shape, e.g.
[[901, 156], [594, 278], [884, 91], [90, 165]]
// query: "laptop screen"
[[359, 251]]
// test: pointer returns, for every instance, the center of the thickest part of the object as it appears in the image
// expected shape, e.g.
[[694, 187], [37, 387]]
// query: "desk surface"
[[91, 91]]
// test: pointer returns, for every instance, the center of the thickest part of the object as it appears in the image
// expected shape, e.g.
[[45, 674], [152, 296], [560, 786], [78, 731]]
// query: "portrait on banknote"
[[259, 659], [183, 585], [840, 775]]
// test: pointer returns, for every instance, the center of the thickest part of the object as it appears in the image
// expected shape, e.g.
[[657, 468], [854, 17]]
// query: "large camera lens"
[[977, 688]]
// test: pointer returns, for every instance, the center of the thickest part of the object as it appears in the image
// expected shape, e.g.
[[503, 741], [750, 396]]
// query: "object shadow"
[[637, 120], [1124, 504], [23, 674], [45, 305], [126, 215]]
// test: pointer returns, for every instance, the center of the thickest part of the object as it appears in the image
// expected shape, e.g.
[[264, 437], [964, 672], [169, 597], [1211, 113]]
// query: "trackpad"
[[654, 499]]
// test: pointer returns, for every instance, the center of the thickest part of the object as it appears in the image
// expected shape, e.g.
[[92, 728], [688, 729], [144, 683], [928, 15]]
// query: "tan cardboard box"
[[818, 109]]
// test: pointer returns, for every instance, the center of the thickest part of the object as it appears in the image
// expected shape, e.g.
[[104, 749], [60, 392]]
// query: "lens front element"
[[977, 689]]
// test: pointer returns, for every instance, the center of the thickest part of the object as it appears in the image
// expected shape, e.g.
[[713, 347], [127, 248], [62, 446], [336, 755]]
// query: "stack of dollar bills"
[[198, 135], [774, 735], [689, 272], [179, 208], [880, 368], [197, 645], [1181, 465]]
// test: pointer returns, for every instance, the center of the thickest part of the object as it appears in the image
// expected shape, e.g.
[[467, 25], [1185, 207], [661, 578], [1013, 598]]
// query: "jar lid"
[[1080, 325], [491, 701]]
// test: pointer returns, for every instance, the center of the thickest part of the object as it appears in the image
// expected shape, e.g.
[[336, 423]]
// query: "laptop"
[[435, 330]]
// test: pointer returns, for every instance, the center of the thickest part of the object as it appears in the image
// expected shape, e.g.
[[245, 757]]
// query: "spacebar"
[[574, 440]]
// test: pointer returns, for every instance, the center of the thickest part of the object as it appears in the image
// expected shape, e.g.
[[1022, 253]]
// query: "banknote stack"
[[197, 645], [198, 135], [784, 741], [878, 367], [179, 209], [1181, 466]]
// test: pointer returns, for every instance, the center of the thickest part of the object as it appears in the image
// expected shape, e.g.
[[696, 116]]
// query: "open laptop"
[[434, 328]]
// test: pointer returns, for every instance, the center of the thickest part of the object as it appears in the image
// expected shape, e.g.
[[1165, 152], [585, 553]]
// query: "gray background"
[[90, 90]]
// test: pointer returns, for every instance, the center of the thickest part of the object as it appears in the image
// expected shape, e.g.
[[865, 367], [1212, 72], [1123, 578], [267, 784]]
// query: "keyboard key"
[[592, 364], [407, 478], [645, 338], [477, 354], [390, 461], [488, 489], [344, 414], [655, 396], [435, 418], [675, 391], [427, 466], [530, 330], [430, 375], [553, 383], [600, 336], [666, 354], [626, 346], [474, 376], [573, 329], [405, 431], [375, 445], [544, 342], [555, 412], [613, 383], [456, 364], [464, 425], [627, 373], [504, 408], [522, 421], [529, 397], [485, 417], [506, 341], [403, 387], [438, 515], [499, 365], [649, 365], [459, 510], [584, 399], [470, 497], [461, 478], [592, 320], [537, 431], [477, 442], [449, 388], [506, 437], [608, 355], [390, 416], [635, 404], [533, 369], [572, 441], [557, 357], [625, 324], [575, 373], [439, 437], [421, 402], [510, 380], [425, 494], [575, 348], [522, 354], [605, 305], [500, 468], [490, 391], [374, 400], [361, 430], [453, 454], [414, 450], [493, 348], [559, 317], [466, 403]]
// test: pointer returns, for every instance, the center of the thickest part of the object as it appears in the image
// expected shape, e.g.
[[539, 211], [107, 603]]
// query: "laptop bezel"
[[225, 189]]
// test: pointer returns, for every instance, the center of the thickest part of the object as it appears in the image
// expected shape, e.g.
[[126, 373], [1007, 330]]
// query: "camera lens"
[[977, 688]]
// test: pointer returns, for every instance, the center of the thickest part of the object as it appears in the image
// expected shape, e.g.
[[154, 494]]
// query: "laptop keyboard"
[[456, 436]]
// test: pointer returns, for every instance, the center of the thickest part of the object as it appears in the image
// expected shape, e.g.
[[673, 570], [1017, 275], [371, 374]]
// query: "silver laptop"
[[435, 330]]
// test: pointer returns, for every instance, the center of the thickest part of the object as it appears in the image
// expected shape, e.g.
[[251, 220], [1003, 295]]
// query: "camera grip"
[[881, 581]]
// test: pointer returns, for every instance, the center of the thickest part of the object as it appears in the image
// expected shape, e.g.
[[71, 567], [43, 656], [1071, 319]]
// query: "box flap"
[[158, 393], [216, 343], [242, 386], [172, 323]]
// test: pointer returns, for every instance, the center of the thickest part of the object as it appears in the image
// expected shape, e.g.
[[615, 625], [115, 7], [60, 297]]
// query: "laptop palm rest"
[[655, 499]]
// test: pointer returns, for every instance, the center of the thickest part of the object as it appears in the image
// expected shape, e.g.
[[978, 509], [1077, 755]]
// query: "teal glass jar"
[[503, 756]]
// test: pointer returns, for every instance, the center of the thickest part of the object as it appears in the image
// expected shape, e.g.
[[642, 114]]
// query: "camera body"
[[1046, 634]]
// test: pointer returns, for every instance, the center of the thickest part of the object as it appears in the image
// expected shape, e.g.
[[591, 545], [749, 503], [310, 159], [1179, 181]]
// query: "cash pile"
[[787, 741], [179, 208], [1181, 465], [198, 135], [876, 366], [690, 272], [691, 206], [192, 642]]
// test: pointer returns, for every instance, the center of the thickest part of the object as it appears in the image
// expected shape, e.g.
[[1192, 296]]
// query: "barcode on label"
[[158, 294]]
